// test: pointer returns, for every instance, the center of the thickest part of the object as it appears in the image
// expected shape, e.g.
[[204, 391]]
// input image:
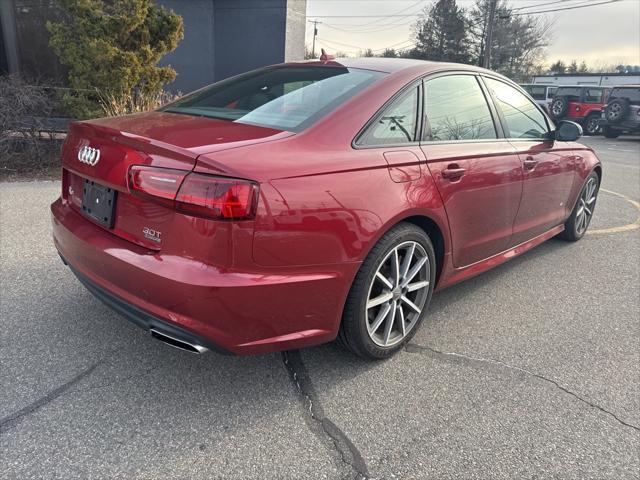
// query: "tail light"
[[159, 184], [217, 197], [194, 194]]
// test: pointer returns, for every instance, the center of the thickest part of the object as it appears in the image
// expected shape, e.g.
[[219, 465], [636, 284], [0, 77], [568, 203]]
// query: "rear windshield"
[[286, 98], [630, 93], [572, 92]]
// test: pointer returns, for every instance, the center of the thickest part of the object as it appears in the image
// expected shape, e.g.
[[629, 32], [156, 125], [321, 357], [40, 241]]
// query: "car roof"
[[391, 65]]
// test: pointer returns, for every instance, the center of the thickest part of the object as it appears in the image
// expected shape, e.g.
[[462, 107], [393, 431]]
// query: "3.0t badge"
[[89, 155]]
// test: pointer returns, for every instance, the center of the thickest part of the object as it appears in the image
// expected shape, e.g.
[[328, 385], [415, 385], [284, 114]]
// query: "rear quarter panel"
[[337, 216]]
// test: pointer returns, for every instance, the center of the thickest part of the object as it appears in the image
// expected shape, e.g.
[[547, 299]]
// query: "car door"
[[547, 165], [477, 172]]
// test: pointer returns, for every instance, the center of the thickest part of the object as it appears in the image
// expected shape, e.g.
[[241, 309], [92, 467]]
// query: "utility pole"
[[315, 34], [489, 39]]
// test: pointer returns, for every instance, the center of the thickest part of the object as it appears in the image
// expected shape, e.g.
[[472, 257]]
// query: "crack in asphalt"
[[422, 349], [13, 419], [348, 452]]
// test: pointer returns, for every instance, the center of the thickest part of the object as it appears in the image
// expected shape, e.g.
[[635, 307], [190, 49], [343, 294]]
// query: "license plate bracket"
[[99, 203]]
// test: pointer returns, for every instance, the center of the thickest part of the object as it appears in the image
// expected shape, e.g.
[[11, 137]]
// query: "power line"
[[340, 44], [589, 4], [383, 28], [396, 45], [373, 23], [540, 5]]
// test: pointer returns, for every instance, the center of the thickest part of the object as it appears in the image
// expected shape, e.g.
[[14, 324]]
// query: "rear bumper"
[[629, 126], [141, 318], [239, 312]]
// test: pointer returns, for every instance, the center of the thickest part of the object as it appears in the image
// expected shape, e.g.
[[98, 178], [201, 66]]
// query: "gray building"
[[221, 38]]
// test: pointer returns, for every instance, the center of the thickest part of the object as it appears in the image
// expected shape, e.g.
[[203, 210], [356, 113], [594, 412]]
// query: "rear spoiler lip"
[[196, 156], [206, 163]]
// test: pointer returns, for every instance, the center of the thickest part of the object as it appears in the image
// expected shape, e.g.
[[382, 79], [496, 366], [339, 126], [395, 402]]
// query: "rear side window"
[[572, 92], [286, 98], [593, 95], [632, 94], [397, 124], [523, 118], [551, 91], [456, 109]]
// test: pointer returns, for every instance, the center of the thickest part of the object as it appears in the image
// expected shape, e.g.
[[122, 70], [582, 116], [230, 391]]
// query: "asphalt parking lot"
[[531, 370]]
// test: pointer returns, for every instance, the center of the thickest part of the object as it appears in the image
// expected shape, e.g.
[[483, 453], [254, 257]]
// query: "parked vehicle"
[[302, 202], [622, 112], [542, 94], [580, 104]]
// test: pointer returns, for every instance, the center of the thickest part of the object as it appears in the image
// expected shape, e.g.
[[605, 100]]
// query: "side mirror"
[[567, 131]]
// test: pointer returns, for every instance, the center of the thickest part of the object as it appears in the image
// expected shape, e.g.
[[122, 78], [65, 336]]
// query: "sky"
[[599, 34]]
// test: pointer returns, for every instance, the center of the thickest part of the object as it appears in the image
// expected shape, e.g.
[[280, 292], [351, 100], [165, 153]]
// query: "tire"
[[591, 126], [617, 110], [559, 107], [611, 132], [578, 222], [366, 329]]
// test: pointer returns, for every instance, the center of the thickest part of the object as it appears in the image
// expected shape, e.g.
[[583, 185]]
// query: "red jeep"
[[580, 104]]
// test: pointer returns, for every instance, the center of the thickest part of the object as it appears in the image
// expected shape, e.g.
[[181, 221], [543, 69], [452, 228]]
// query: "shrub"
[[111, 48], [135, 102], [27, 141]]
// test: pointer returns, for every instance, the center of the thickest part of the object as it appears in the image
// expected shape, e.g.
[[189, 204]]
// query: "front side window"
[[286, 98], [593, 95], [523, 119], [538, 92], [397, 124], [456, 109]]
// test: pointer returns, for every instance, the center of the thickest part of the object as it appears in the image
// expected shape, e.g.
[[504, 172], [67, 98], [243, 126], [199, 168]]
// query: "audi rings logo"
[[89, 155]]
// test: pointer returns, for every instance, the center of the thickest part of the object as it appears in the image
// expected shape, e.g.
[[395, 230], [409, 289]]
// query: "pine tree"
[[558, 67], [573, 67], [111, 47], [441, 33]]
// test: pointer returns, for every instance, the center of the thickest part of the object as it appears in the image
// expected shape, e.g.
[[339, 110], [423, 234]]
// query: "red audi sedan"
[[304, 202]]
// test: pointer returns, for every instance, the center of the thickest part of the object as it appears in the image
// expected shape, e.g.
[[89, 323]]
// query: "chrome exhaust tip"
[[177, 343]]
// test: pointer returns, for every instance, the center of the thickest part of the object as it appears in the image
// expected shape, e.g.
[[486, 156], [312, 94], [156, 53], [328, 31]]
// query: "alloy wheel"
[[557, 108], [592, 126], [397, 294], [614, 111], [586, 204]]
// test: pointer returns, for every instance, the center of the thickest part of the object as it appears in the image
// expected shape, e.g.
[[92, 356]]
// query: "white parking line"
[[620, 150]]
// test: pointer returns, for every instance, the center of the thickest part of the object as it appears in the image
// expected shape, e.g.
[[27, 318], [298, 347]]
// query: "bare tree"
[[518, 41]]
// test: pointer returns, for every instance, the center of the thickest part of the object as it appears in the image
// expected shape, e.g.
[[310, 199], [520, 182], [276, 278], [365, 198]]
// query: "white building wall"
[[597, 79]]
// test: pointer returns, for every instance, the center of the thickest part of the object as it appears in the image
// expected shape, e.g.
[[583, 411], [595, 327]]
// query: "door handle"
[[530, 163], [453, 172]]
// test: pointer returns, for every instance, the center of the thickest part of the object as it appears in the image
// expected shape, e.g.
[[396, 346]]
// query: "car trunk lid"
[[98, 154]]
